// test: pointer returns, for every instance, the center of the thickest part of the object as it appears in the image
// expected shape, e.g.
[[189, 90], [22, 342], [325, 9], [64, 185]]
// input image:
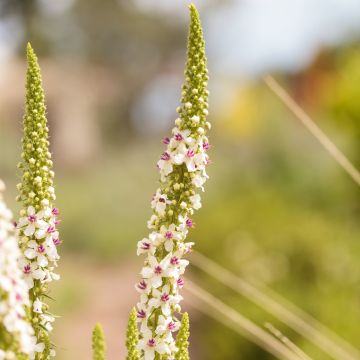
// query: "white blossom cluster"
[[39, 239], [182, 171], [13, 289]]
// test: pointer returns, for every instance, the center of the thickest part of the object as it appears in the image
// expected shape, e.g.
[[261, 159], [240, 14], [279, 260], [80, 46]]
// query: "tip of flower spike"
[[193, 9], [30, 53]]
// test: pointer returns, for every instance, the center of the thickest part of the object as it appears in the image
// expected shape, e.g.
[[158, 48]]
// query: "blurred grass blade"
[[323, 139], [286, 341], [242, 325], [282, 309]]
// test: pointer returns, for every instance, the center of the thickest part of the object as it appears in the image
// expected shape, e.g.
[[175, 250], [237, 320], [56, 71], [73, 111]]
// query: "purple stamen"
[[171, 326], [27, 269], [145, 245], [50, 229], [175, 261], [165, 156], [55, 211], [166, 140], [161, 199], [56, 242], [189, 223], [178, 137], [165, 297], [32, 218], [151, 343], [180, 282], [40, 249], [141, 314], [158, 270], [190, 153], [169, 235], [206, 146], [142, 285]]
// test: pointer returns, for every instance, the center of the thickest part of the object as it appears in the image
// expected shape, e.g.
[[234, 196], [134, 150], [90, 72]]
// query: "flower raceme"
[[182, 169], [36, 227], [16, 334]]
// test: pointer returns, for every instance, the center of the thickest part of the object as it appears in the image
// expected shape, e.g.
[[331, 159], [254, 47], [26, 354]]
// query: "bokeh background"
[[277, 211]]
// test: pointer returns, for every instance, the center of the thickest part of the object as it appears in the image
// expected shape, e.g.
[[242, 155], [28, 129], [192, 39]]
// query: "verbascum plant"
[[182, 339], [182, 174], [132, 337], [38, 236], [16, 334], [98, 343]]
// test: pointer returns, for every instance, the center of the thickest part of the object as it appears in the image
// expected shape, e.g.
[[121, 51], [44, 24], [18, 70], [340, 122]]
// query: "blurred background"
[[277, 211]]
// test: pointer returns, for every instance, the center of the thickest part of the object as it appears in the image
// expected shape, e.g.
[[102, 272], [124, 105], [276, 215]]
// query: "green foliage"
[[182, 339], [98, 343], [132, 337]]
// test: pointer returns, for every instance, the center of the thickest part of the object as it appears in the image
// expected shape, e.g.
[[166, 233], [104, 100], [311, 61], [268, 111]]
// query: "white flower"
[[196, 201], [156, 270], [159, 202], [37, 306], [166, 324], [169, 235], [150, 345], [164, 299], [32, 221], [35, 250]]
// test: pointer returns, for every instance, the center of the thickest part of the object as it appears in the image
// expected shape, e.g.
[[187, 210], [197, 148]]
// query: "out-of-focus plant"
[[98, 343], [16, 334]]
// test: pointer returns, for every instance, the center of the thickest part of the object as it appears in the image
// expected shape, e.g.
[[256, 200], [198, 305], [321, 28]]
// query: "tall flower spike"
[[38, 218], [182, 337], [132, 337], [16, 334], [182, 169], [98, 343]]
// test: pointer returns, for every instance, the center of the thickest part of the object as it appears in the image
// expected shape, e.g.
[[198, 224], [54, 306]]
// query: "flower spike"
[[132, 337], [98, 343], [182, 169], [16, 334], [36, 227]]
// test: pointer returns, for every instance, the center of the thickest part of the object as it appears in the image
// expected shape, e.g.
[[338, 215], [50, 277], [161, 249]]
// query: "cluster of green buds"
[[36, 228]]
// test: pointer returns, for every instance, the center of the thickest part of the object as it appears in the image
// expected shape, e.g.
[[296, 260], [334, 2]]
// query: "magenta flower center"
[[166, 140], [158, 270], [178, 137], [40, 249], [174, 261], [32, 218], [142, 285], [189, 223], [50, 230], [141, 314], [180, 282], [151, 343], [56, 242], [206, 146], [27, 269], [165, 297], [161, 199], [165, 156], [171, 326], [55, 211], [145, 246], [169, 235], [190, 153]]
